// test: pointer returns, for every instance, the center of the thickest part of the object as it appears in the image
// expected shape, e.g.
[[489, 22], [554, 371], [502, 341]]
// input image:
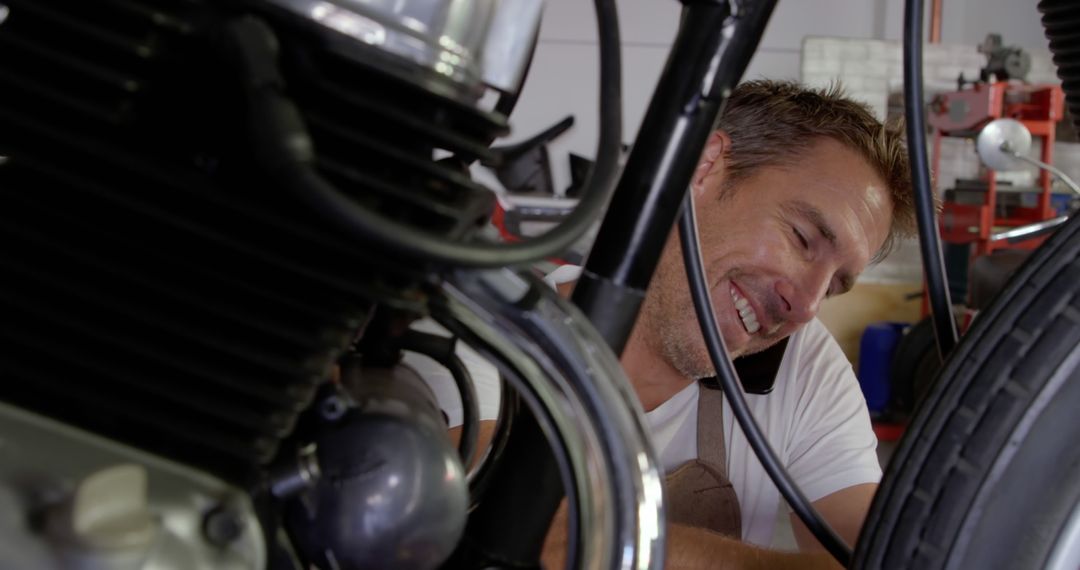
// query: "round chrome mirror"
[[999, 143]]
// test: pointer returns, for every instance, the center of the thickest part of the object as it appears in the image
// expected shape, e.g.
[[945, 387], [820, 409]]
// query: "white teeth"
[[746, 312], [751, 325]]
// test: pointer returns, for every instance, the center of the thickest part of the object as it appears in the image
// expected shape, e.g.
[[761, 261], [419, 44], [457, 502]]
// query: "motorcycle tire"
[[914, 366], [988, 474]]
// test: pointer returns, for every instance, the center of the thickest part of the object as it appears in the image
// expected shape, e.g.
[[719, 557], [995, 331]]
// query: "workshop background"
[[853, 42]]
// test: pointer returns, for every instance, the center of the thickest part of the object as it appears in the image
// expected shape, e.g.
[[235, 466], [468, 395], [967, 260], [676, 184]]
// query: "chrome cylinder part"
[[445, 37], [1028, 231], [509, 46], [391, 491], [575, 386]]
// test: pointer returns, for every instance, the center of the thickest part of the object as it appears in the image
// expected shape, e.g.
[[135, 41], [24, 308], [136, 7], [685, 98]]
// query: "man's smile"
[[747, 316]]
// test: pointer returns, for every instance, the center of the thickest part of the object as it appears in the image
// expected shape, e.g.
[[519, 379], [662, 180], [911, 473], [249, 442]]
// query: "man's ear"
[[710, 168]]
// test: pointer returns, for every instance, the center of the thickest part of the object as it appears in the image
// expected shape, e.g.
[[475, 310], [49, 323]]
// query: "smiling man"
[[797, 191]]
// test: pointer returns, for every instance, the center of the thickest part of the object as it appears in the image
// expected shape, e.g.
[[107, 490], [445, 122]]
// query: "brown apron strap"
[[699, 493], [710, 428]]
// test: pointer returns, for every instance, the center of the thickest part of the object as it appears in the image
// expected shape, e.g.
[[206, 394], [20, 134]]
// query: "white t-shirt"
[[816, 421], [485, 377]]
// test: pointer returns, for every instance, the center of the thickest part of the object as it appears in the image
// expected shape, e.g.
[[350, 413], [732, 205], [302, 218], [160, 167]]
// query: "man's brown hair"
[[776, 122]]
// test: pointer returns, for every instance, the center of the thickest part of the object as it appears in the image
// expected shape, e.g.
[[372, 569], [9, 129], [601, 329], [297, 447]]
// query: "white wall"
[[968, 21], [564, 75], [870, 70]]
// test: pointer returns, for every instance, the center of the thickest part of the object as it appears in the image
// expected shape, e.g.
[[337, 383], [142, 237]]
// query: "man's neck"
[[654, 380]]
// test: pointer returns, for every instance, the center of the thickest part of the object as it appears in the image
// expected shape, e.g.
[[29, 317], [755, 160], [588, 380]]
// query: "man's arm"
[[694, 548], [691, 548], [833, 454], [844, 510]]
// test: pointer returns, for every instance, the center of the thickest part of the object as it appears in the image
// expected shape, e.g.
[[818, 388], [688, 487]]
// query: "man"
[[796, 192]]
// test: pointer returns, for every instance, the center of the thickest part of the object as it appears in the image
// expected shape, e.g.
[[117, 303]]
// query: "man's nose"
[[801, 296]]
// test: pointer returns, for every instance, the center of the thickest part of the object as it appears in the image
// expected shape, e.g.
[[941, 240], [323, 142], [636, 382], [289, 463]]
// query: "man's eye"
[[802, 240]]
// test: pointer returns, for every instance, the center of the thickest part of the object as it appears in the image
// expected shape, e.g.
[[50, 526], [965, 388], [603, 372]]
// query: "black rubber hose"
[[441, 350], [729, 382], [285, 150], [509, 408], [929, 242]]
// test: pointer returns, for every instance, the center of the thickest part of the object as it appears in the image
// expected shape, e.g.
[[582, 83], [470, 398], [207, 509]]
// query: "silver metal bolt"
[[295, 478], [333, 408], [223, 526]]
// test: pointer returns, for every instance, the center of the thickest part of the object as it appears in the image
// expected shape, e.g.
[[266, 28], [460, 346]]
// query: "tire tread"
[[993, 376]]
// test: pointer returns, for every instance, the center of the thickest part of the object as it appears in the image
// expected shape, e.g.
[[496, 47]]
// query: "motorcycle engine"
[[172, 316]]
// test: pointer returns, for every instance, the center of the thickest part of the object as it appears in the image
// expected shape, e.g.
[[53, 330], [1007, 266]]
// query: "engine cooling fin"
[[155, 286]]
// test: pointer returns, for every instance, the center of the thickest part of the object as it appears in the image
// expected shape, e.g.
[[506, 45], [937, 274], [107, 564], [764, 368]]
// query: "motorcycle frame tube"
[[580, 403], [709, 55]]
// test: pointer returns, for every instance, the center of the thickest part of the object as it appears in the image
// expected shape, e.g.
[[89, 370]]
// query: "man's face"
[[774, 247]]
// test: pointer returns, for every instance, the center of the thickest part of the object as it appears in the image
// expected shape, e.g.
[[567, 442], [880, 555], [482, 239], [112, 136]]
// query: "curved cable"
[[480, 476], [441, 350], [729, 381], [1059, 173], [929, 241], [284, 148]]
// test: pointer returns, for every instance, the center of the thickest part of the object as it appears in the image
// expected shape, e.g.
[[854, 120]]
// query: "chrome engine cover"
[[59, 511]]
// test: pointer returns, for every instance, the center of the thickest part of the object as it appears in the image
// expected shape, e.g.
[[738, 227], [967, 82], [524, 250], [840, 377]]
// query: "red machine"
[[965, 113]]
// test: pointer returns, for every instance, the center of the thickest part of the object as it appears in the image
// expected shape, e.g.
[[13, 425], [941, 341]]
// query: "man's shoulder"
[[813, 331], [814, 358], [814, 339]]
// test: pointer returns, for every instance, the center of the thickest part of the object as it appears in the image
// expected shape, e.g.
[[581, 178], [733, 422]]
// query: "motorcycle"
[[221, 218]]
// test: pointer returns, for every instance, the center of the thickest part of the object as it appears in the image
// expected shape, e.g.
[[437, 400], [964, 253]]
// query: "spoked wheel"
[[988, 474]]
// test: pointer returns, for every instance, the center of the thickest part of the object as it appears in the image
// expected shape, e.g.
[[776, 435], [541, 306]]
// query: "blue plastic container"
[[876, 349]]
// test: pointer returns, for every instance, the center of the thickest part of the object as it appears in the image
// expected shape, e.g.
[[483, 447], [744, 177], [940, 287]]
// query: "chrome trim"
[[575, 385], [1064, 178], [1017, 233], [1066, 552], [510, 43], [446, 37]]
